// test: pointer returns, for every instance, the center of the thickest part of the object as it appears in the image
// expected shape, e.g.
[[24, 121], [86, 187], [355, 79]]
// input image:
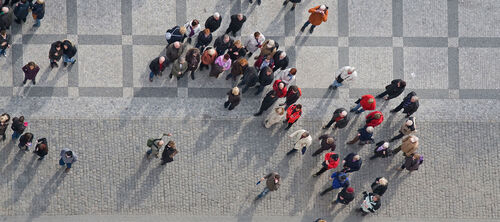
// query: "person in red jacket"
[[331, 162], [366, 102], [280, 88], [293, 113], [374, 119]]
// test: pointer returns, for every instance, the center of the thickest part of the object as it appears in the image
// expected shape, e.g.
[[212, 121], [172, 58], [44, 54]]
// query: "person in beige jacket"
[[409, 146], [408, 127], [268, 48], [303, 140], [275, 117]]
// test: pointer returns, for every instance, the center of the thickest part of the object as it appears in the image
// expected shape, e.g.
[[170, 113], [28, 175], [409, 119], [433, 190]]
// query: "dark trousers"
[[306, 24], [289, 125], [330, 123], [260, 89], [229, 104], [322, 170], [397, 137], [202, 66], [398, 108], [396, 150], [326, 191], [382, 94], [231, 30], [320, 150]]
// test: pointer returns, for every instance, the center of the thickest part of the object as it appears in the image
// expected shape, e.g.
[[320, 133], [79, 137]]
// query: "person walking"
[[409, 104], [38, 12], [157, 66], [41, 148], [237, 69], [292, 95], [5, 18], [409, 127], [155, 147], [345, 196], [319, 14], [55, 53], [366, 102], [379, 186], [208, 58], [4, 124], [287, 76], [374, 119], [331, 162], [364, 136], [412, 162], [249, 79], [293, 114], [267, 102], [265, 78], [193, 58], [339, 120], [204, 39], [237, 50], [269, 47], [280, 88], [272, 184], [5, 42], [339, 180], [222, 44], [280, 60], [233, 98], [221, 64], [30, 71], [409, 146], [179, 68], [68, 158], [174, 51], [18, 126], [254, 42], [236, 23], [274, 117], [381, 150], [176, 34], [327, 143], [346, 73], [21, 11], [302, 141], [192, 29], [213, 22], [294, 3], [393, 90], [168, 153], [352, 163], [25, 141], [69, 51], [371, 203]]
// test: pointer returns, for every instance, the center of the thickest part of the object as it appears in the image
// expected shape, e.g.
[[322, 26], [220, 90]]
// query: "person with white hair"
[[233, 98], [339, 120], [269, 47], [280, 60], [5, 18], [364, 136], [213, 22], [408, 127], [327, 143], [179, 68], [409, 104], [379, 186], [319, 14], [254, 42], [381, 150], [409, 146], [352, 162], [302, 140], [346, 73]]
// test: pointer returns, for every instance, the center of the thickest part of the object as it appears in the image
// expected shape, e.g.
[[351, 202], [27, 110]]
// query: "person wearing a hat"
[[345, 196], [371, 203], [409, 146], [352, 163], [4, 124], [393, 90], [273, 182], [339, 180], [327, 143], [318, 15], [379, 186], [268, 48], [364, 136], [68, 157], [346, 73], [409, 127], [267, 102], [254, 42], [381, 150], [366, 102], [339, 119], [233, 98], [331, 162], [374, 119], [409, 104], [213, 22], [412, 162], [38, 12], [294, 3], [236, 23], [302, 141]]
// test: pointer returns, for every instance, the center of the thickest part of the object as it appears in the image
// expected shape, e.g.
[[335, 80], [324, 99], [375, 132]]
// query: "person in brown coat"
[[237, 69], [233, 98], [409, 146], [208, 58], [30, 71], [193, 59], [327, 143], [55, 53], [318, 15], [272, 183], [412, 162], [268, 48], [168, 153], [174, 51], [408, 127], [4, 124]]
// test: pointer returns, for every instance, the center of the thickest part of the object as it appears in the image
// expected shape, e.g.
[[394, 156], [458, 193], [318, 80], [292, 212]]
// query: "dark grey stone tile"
[[343, 17], [180, 12], [236, 7], [370, 41], [355, 93], [453, 69], [126, 17], [307, 40], [291, 53], [479, 42], [17, 61], [425, 42], [397, 18], [452, 18], [222, 93], [183, 82], [209, 92], [5, 91], [479, 93], [42, 38], [290, 23], [99, 39], [149, 40], [279, 39], [421, 93], [398, 63], [343, 56], [127, 65], [155, 92], [71, 17], [100, 91], [319, 93], [73, 76], [35, 91]]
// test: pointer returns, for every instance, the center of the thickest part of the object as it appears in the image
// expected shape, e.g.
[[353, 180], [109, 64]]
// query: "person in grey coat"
[[339, 120], [68, 158]]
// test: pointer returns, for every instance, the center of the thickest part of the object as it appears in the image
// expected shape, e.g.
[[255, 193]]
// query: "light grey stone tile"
[[370, 18], [328, 28], [142, 57], [56, 77], [100, 91], [310, 74], [343, 42], [454, 93], [453, 42], [100, 39], [289, 41], [373, 64], [100, 66], [397, 42], [53, 22], [6, 91], [158, 15], [426, 18], [182, 92], [478, 18], [430, 66], [479, 68], [127, 40], [128, 92], [92, 20], [73, 92]]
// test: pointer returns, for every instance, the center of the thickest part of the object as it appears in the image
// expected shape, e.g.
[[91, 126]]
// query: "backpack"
[[169, 33], [151, 142]]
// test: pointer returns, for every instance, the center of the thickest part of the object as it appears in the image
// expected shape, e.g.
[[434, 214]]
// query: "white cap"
[[386, 145], [322, 7], [270, 43], [409, 122], [369, 129]]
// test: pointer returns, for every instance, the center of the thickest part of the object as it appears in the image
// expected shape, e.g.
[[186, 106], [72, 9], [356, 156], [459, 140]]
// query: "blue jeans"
[[37, 22], [15, 135], [2, 51], [264, 192], [358, 107], [61, 162], [306, 24], [68, 59], [151, 74], [336, 84]]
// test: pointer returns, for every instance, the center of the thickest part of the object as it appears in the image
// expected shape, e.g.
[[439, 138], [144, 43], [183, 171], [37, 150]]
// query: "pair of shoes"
[[228, 77], [24, 82], [315, 175], [293, 8], [35, 25], [393, 111], [249, 54], [257, 114], [67, 170], [75, 61], [192, 76], [325, 127], [151, 79], [160, 74], [226, 104], [358, 112], [302, 29], [250, 1], [284, 3], [170, 76], [65, 64], [34, 82], [311, 30], [178, 77]]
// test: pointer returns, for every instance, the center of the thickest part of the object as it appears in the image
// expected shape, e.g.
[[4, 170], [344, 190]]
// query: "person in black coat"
[[222, 44], [352, 162], [213, 22], [38, 11], [280, 61], [409, 105], [4, 124], [327, 143], [233, 98], [236, 23], [25, 141], [157, 66], [340, 118], [266, 77], [204, 39], [249, 79], [345, 196], [41, 148], [176, 34], [168, 153], [381, 150], [69, 51], [394, 89], [21, 11], [9, 2], [55, 53], [292, 95], [379, 186], [5, 19], [18, 127], [267, 102]]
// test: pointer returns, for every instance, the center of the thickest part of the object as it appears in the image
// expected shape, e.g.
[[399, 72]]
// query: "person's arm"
[[295, 133], [324, 136]]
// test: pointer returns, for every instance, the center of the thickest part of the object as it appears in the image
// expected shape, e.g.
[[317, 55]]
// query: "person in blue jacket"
[[339, 180]]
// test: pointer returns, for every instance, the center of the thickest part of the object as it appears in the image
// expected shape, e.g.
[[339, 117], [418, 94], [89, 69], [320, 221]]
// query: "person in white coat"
[[346, 73], [275, 117], [303, 140], [286, 76], [192, 29], [254, 42]]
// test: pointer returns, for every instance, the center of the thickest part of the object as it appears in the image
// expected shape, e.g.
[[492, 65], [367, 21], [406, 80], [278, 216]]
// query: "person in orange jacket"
[[293, 114], [318, 15], [331, 162], [366, 102], [374, 119]]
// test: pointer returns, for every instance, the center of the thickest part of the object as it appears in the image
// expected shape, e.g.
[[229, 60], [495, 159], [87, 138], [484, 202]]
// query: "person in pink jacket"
[[221, 64]]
